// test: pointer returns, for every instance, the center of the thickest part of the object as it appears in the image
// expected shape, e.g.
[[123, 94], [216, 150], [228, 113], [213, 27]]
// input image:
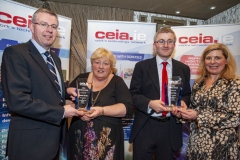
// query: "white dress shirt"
[[169, 73]]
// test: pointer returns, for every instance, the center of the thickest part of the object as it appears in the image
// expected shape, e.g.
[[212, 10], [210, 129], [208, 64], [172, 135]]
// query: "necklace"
[[94, 100]]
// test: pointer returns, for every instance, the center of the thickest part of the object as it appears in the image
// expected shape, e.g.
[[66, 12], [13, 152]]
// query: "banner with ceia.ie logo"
[[14, 29]]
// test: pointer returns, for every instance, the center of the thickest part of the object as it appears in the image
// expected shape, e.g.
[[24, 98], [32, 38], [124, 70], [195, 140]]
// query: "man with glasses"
[[156, 130], [34, 90]]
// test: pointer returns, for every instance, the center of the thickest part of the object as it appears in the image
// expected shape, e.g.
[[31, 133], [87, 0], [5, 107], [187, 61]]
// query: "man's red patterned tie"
[[164, 87]]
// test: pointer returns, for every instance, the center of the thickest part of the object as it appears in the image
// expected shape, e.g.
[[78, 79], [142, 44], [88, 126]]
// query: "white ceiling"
[[199, 9]]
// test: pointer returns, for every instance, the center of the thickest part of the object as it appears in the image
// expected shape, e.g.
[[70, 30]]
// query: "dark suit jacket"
[[145, 87], [34, 102]]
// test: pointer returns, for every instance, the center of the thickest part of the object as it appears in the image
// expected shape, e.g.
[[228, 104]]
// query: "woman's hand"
[[85, 118], [92, 113], [176, 109], [189, 114]]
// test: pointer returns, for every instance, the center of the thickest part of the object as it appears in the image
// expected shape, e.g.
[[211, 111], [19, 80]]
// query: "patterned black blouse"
[[213, 135]]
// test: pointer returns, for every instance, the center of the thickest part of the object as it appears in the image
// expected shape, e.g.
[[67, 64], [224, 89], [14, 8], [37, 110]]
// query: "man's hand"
[[72, 92], [70, 111], [157, 106]]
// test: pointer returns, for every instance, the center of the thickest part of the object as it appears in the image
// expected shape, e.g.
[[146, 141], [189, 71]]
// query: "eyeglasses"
[[45, 25], [162, 42]]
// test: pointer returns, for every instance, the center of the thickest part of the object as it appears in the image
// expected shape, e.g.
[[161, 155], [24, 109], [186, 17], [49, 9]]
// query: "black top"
[[115, 92]]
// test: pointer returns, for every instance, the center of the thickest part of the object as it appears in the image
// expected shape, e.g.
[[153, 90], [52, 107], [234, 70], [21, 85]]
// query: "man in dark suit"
[[35, 99], [154, 133]]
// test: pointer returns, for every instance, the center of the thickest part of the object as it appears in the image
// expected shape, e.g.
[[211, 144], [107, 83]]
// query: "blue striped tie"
[[52, 69]]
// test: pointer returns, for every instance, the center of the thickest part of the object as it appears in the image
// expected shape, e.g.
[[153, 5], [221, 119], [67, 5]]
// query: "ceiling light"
[[177, 12], [213, 7]]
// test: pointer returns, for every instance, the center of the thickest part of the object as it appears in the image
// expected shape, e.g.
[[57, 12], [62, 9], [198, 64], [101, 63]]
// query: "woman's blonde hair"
[[230, 68], [102, 52]]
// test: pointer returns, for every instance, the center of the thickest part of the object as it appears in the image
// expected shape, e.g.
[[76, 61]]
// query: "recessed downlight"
[[213, 7]]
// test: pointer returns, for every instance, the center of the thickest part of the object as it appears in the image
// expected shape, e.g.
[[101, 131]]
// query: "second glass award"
[[83, 100], [175, 86]]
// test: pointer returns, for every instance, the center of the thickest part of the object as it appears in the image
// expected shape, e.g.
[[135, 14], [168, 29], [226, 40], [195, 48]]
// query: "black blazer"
[[34, 102], [145, 87]]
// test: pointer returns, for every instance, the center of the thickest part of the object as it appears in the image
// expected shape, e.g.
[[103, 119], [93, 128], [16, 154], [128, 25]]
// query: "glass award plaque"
[[175, 86], [83, 99]]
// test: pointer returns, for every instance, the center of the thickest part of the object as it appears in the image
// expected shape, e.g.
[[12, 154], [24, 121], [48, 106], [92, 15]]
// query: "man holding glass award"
[[158, 86]]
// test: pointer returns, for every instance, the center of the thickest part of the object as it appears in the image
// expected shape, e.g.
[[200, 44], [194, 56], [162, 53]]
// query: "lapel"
[[153, 72], [40, 61], [176, 69]]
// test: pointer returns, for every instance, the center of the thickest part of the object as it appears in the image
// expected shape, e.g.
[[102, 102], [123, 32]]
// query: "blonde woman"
[[99, 134], [215, 107]]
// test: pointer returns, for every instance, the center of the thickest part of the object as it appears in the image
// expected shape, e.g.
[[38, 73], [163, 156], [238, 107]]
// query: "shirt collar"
[[159, 60], [39, 48]]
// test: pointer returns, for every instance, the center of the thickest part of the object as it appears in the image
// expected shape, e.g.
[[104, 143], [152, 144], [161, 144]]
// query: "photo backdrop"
[[130, 42], [15, 19], [191, 41]]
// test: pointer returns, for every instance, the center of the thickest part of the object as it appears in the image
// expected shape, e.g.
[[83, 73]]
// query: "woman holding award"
[[98, 134], [215, 107]]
